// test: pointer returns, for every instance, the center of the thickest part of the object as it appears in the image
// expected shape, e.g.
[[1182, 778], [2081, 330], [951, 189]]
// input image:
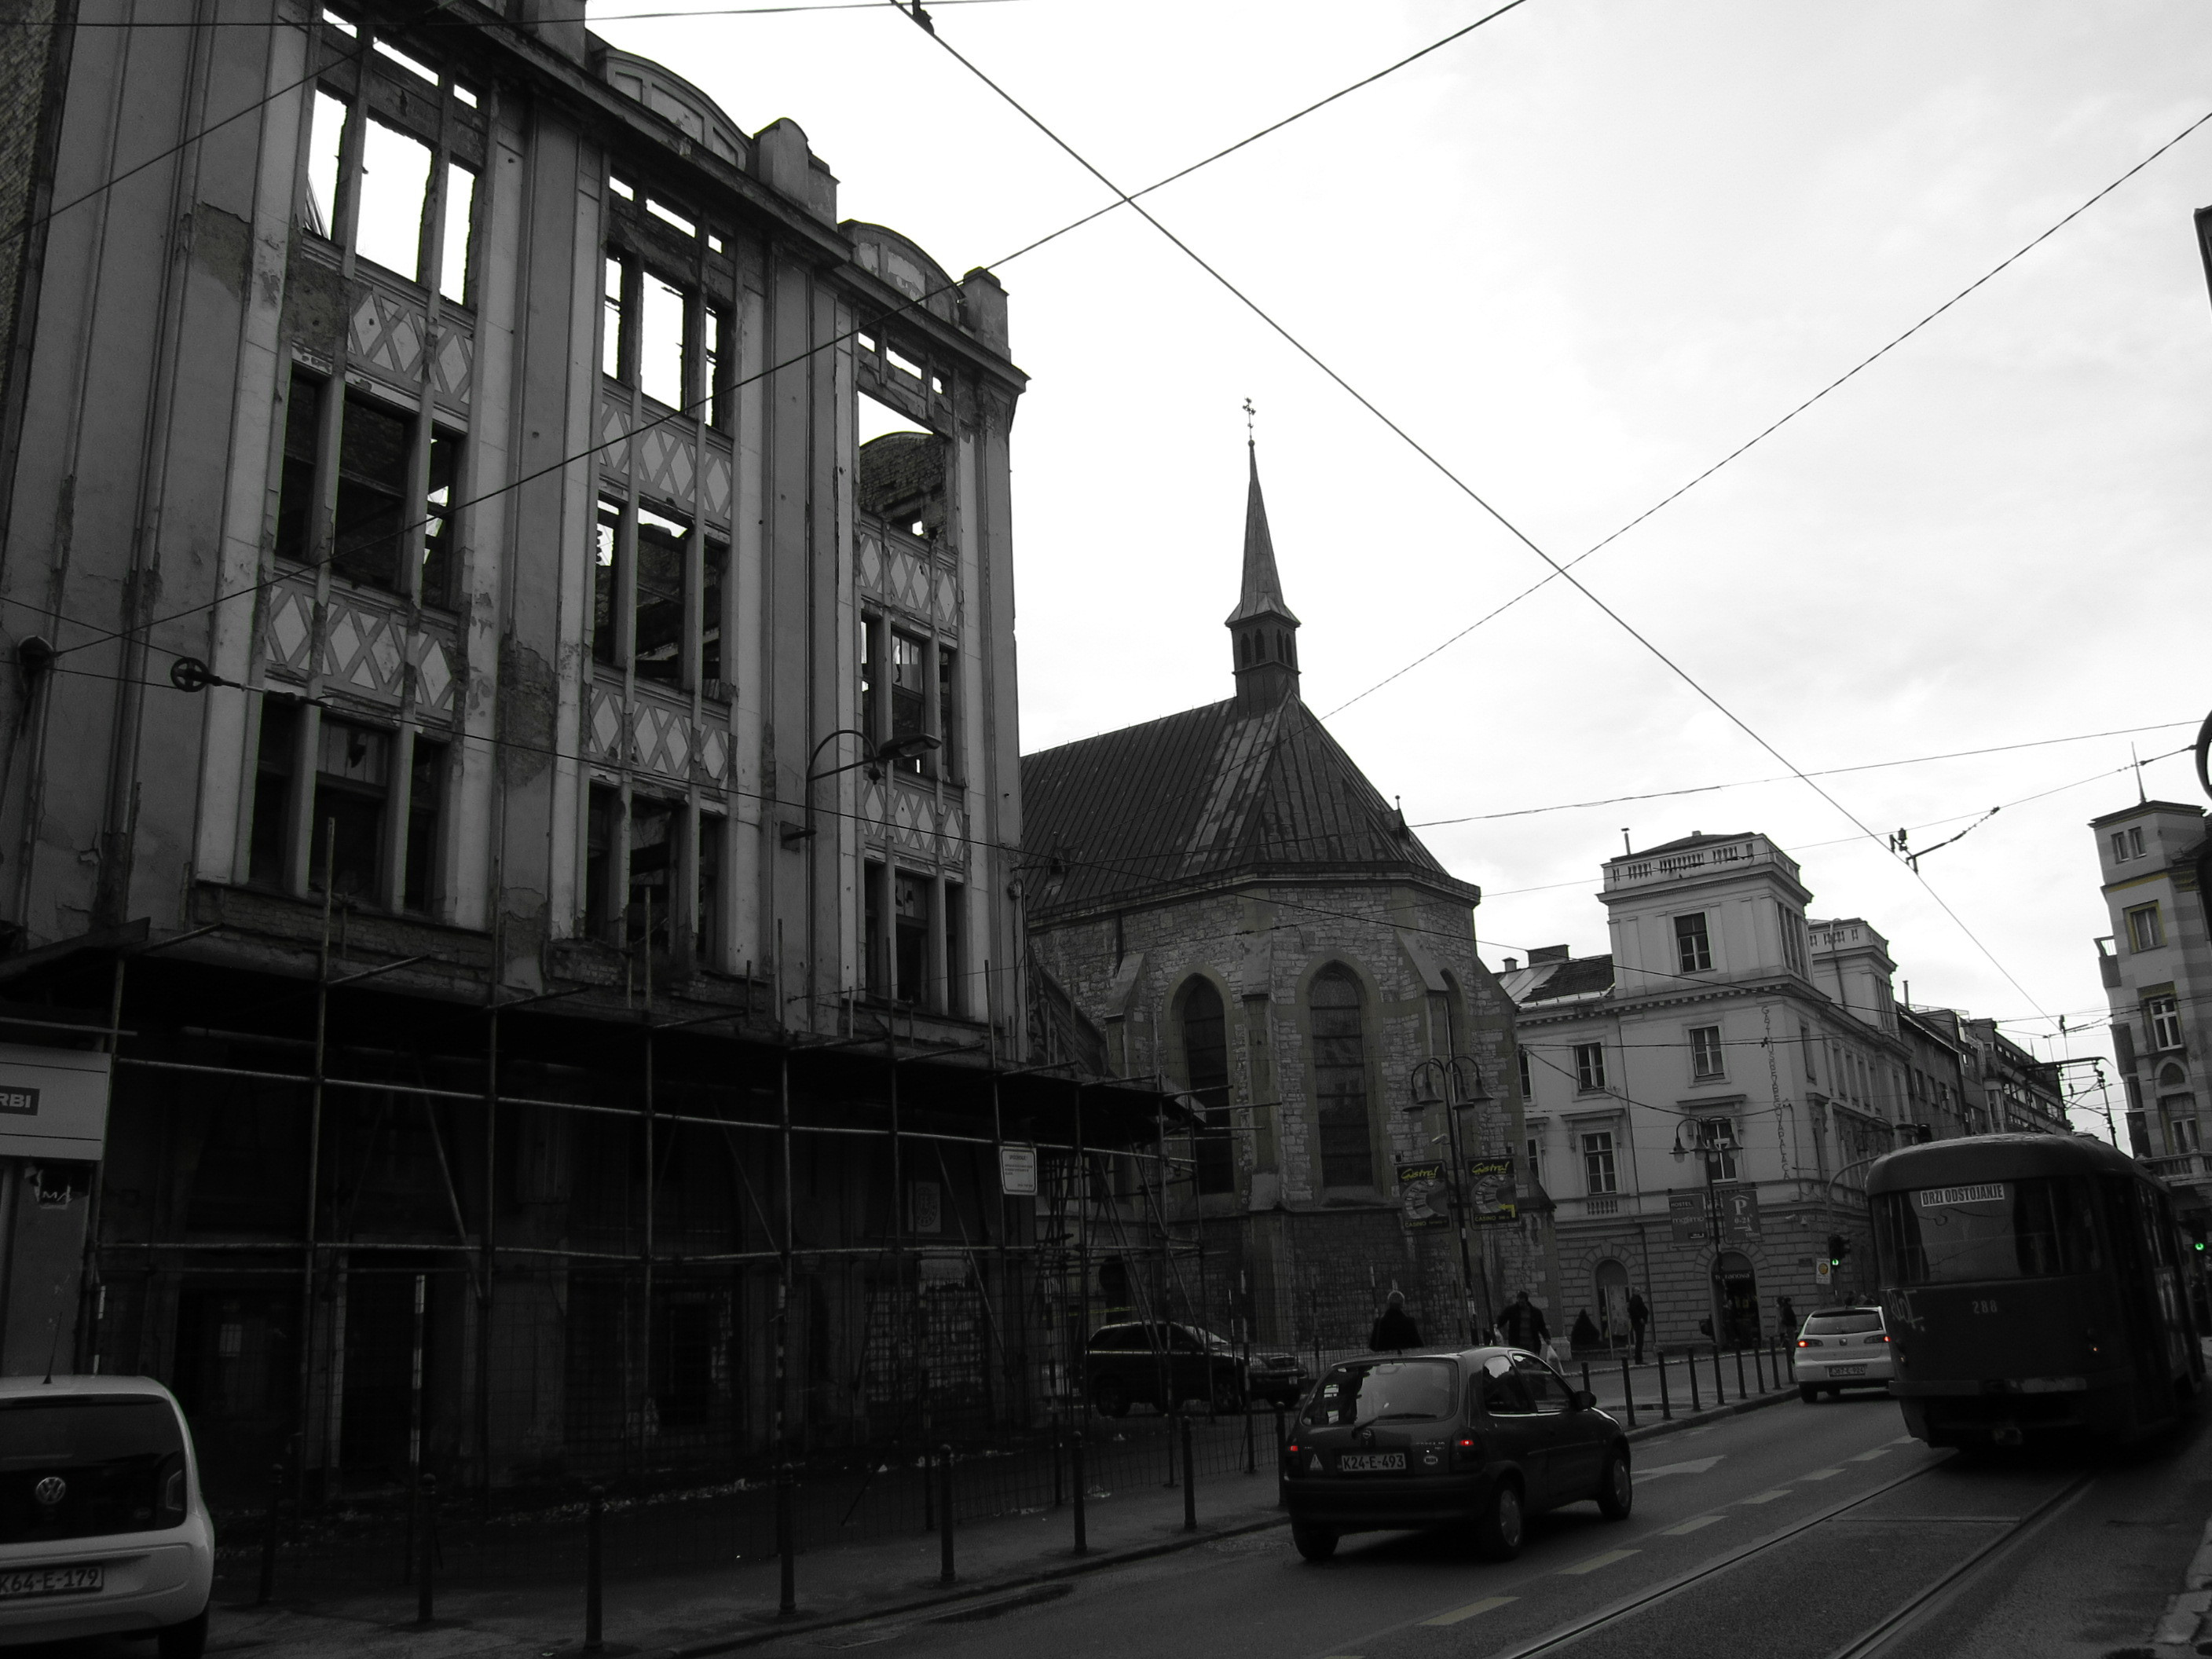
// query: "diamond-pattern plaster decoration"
[[342, 643], [433, 672], [606, 723], [665, 464], [868, 560], [452, 364], [614, 437], [384, 652], [290, 627], [717, 482], [387, 334], [714, 754]]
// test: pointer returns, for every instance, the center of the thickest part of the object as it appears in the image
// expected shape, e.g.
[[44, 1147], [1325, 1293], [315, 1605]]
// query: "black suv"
[[1163, 1364]]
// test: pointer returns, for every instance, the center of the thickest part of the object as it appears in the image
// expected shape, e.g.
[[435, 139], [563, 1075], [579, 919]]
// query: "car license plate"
[[1847, 1370], [50, 1581], [1370, 1463]]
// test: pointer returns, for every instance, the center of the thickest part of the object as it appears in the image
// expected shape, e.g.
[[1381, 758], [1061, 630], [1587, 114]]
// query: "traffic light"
[[1838, 1248], [2197, 1227]]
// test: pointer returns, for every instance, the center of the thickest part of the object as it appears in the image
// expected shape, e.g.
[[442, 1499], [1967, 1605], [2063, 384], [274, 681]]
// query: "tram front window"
[[2037, 1228]]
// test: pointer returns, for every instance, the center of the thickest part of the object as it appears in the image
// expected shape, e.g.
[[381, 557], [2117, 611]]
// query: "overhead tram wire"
[[1775, 425], [1474, 495], [482, 22], [914, 303]]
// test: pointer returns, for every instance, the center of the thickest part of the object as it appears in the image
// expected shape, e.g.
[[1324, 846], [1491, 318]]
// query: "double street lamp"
[[1714, 1138], [912, 746], [1455, 1082]]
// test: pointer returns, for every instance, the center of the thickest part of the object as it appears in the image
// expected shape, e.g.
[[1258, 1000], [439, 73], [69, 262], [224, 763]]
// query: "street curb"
[[2182, 1622], [800, 1625], [1710, 1414]]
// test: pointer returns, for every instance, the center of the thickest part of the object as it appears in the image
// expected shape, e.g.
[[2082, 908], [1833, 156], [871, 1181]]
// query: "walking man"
[[1522, 1326], [1639, 1316], [1394, 1331]]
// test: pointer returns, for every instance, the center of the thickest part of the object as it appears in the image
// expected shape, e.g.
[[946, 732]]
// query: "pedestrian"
[[1584, 1336], [1522, 1325], [1394, 1331], [1789, 1316], [1639, 1316]]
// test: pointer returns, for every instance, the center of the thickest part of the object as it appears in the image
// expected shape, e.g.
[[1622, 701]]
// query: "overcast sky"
[[1581, 255]]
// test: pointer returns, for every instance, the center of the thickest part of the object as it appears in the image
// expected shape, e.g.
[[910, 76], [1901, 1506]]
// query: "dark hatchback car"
[[1162, 1364], [1481, 1439]]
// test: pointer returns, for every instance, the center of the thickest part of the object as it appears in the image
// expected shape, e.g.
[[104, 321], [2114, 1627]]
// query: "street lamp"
[[1455, 1082], [912, 746], [1714, 1139]]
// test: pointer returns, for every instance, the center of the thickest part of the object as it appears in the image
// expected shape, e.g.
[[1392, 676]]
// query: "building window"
[[910, 937], [353, 771], [642, 570], [1536, 1149], [1598, 1174], [662, 556], [1793, 938], [2145, 931], [910, 703], [272, 793], [2180, 1114], [706, 927], [1805, 1043], [662, 309], [615, 312], [1692, 949], [946, 761], [425, 786], [1205, 1065], [389, 193], [1527, 1083], [2127, 844], [1706, 1061], [606, 586], [954, 921], [1589, 1068], [1339, 1064], [1717, 1136], [2163, 1015], [601, 851], [652, 870]]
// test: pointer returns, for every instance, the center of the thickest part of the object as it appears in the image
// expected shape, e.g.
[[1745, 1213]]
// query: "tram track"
[[1868, 1643]]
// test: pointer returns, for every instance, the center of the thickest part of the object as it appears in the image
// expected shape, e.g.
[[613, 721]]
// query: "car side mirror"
[[1583, 1400]]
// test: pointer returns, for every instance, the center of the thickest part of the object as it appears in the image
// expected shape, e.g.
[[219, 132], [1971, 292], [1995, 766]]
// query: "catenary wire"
[[1612, 615]]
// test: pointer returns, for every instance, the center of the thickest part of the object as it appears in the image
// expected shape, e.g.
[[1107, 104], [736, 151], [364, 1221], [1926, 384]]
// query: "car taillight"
[[1808, 1342], [1884, 1337], [1467, 1453], [172, 1493], [1292, 1448]]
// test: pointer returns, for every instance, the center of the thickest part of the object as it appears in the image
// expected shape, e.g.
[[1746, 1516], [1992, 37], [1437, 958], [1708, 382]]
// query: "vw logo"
[[50, 1491]]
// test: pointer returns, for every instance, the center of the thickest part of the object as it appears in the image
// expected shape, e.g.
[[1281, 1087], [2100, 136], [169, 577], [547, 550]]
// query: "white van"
[[103, 1528]]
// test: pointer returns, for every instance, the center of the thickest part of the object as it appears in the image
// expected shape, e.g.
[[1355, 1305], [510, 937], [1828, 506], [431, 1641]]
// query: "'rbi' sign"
[[24, 1102]]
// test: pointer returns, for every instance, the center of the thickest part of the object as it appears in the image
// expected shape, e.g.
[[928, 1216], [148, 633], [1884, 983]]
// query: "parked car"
[[1278, 1378], [1484, 1438], [1162, 1364], [103, 1528], [1843, 1348]]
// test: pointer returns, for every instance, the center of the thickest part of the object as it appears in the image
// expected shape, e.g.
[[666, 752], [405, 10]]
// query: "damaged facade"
[[1230, 898], [523, 799]]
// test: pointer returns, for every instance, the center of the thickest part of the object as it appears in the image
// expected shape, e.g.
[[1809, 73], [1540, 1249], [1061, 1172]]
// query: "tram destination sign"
[[1934, 1197]]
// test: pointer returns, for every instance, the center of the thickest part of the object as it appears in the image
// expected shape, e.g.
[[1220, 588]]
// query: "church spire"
[[1262, 630]]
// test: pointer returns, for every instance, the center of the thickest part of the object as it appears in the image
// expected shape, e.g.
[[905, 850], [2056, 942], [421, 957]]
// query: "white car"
[[1843, 1348], [103, 1528]]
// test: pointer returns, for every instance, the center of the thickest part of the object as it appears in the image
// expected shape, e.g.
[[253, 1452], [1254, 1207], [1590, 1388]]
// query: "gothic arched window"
[[1340, 1067], [1206, 1067]]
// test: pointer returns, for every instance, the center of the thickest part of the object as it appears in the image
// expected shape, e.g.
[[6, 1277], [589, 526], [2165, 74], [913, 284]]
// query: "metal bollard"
[[1282, 1499], [1759, 1367], [1189, 1486], [945, 1527], [269, 1537], [1058, 1488], [787, 1541], [1666, 1406], [1628, 1390], [426, 1536], [1075, 1469], [595, 1568], [1720, 1395], [1690, 1364], [1586, 1387], [1251, 1446]]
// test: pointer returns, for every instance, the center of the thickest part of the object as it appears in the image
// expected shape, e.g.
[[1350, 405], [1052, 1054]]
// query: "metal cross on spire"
[[1249, 413]]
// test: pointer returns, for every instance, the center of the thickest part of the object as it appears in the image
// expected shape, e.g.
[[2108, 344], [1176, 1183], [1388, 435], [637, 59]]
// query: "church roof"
[[1206, 795]]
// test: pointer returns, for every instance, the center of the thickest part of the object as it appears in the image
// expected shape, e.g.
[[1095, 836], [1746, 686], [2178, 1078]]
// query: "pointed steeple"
[[1263, 632]]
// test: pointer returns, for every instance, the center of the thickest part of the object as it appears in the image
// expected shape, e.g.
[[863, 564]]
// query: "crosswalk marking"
[[1458, 1613], [1868, 1456], [1765, 1497], [1902, 1440], [1694, 1465], [1819, 1474], [1595, 1563], [1683, 1529]]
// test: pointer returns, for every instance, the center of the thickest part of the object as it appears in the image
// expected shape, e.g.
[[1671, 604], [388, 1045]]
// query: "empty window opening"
[[466, 94], [908, 703], [1339, 1067], [937, 385], [663, 551], [873, 419], [439, 540], [900, 477], [871, 677], [599, 901], [386, 49], [902, 364], [867, 343], [651, 870], [340, 24], [395, 182], [910, 940], [425, 794], [948, 709], [716, 560], [660, 340], [352, 769], [607, 536], [1205, 1065], [621, 187], [668, 216], [372, 492], [955, 922], [326, 144], [272, 793], [460, 206], [874, 968], [615, 310], [1692, 949], [713, 242], [712, 325], [706, 924], [297, 502]]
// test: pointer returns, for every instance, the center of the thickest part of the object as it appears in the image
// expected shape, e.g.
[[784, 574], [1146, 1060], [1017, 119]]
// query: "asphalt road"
[[1791, 1531]]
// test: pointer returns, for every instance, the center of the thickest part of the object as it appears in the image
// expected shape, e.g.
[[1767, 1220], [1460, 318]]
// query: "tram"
[[2033, 1284]]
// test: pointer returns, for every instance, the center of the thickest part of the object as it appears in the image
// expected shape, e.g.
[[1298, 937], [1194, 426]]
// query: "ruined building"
[[520, 801], [1226, 894]]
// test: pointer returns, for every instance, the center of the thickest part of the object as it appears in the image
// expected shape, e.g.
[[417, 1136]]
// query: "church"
[[1224, 894]]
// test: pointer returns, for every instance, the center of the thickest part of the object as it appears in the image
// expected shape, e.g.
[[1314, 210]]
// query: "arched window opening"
[[1610, 1281], [1205, 1068], [1340, 1064]]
